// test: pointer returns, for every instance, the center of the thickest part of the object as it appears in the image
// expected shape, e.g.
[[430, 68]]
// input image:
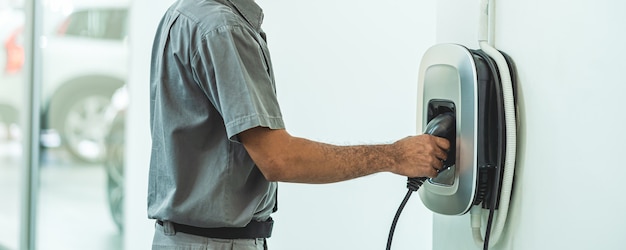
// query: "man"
[[219, 145]]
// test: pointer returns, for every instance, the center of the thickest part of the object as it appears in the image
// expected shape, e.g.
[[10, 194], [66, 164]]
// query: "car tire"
[[80, 120], [8, 114], [114, 165]]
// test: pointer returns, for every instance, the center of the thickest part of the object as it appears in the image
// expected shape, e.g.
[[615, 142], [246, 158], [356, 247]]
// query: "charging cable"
[[413, 184], [443, 125]]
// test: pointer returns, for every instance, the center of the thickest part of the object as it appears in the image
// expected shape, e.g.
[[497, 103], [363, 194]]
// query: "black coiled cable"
[[413, 184]]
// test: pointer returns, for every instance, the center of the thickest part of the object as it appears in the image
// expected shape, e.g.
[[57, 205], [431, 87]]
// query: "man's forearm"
[[314, 162], [282, 157]]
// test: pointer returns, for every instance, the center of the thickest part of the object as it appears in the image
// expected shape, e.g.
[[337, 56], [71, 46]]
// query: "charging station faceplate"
[[448, 81], [454, 79]]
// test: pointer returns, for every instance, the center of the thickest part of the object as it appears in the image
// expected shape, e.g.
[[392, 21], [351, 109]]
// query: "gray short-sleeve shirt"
[[211, 78]]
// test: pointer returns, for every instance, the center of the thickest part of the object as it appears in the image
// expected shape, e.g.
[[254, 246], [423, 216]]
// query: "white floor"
[[73, 210]]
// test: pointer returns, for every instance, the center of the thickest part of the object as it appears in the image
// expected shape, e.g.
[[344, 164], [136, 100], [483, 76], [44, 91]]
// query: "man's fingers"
[[436, 163], [442, 143], [441, 155]]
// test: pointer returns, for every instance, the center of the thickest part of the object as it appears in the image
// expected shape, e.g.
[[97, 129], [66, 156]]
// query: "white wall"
[[144, 18], [568, 191], [346, 73]]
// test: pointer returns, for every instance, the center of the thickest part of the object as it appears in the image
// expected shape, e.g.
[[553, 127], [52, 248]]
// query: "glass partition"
[[82, 53], [12, 82]]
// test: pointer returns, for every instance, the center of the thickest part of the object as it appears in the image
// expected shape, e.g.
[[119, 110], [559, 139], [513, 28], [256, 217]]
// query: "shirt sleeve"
[[232, 68]]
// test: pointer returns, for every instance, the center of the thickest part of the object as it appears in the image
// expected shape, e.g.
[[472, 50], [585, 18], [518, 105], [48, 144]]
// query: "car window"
[[96, 23]]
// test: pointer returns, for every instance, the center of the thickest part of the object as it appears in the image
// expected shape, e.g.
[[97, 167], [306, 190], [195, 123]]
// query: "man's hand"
[[421, 155]]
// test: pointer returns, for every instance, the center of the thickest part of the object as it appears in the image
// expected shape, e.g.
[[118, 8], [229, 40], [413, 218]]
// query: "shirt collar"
[[250, 10]]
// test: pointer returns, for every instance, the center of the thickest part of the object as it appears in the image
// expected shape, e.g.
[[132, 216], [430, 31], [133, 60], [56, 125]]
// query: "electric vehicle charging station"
[[463, 99], [467, 97], [465, 83]]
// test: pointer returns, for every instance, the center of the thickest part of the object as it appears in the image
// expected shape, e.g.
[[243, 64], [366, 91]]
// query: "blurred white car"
[[11, 60], [83, 64], [84, 60]]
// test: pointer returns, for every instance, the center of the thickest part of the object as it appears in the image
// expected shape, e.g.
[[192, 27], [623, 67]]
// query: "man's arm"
[[282, 157]]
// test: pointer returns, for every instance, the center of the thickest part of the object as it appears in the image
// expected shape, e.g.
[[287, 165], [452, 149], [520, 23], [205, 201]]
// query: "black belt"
[[254, 229]]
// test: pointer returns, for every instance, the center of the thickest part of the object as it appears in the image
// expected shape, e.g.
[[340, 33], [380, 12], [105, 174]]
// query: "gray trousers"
[[166, 238]]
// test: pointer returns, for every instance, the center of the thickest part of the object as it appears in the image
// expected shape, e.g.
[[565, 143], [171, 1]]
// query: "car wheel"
[[83, 125], [8, 120], [114, 164], [8, 114]]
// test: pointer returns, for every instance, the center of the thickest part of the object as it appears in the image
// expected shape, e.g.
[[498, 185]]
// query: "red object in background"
[[15, 52]]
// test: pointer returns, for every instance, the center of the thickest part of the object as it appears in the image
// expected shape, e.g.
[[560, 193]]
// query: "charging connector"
[[443, 125]]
